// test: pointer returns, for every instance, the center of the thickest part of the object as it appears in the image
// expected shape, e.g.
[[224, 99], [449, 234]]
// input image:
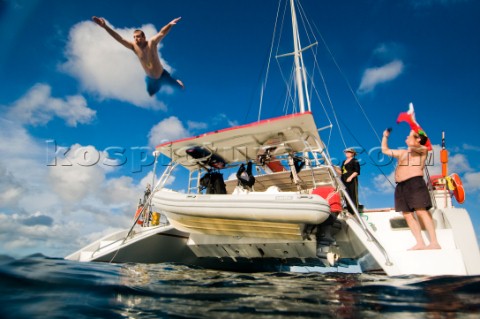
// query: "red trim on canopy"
[[235, 128]]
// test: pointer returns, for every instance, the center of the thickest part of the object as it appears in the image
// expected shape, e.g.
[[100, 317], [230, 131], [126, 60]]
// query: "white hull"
[[165, 244], [144, 245], [350, 251], [459, 254]]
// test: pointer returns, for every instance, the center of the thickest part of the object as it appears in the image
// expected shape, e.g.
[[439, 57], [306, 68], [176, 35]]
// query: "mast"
[[299, 70]]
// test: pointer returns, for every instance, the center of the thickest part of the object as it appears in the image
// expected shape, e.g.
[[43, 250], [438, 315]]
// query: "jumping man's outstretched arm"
[[163, 32], [101, 22]]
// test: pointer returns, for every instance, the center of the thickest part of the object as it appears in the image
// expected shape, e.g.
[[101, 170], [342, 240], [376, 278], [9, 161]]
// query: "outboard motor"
[[325, 239]]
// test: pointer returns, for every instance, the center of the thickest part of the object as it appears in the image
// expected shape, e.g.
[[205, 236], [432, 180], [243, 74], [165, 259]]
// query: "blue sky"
[[66, 85]]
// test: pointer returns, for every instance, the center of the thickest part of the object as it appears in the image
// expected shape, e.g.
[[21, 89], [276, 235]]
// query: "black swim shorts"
[[412, 194]]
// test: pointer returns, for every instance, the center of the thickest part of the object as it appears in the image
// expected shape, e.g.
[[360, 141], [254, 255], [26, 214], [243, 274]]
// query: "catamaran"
[[282, 208]]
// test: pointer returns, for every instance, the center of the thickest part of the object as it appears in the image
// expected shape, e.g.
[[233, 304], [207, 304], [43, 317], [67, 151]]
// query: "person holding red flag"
[[409, 117], [411, 192]]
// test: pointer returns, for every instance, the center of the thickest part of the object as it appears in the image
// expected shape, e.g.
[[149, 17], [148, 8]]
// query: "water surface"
[[41, 287]]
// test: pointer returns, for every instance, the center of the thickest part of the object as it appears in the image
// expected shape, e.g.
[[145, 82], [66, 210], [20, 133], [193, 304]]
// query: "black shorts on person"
[[412, 194]]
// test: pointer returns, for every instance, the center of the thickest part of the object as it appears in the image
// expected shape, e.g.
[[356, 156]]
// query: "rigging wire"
[[306, 23], [288, 96], [348, 83], [310, 30], [288, 83], [253, 94], [361, 108], [369, 156], [268, 65]]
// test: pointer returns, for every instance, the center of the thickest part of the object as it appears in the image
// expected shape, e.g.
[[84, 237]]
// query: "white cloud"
[[383, 184], [458, 163], [82, 174], [222, 117], [57, 209], [196, 125], [118, 189], [168, 129], [11, 189], [471, 181], [38, 107], [388, 51], [106, 68], [375, 76], [75, 177], [172, 128], [149, 178], [19, 151], [469, 147]]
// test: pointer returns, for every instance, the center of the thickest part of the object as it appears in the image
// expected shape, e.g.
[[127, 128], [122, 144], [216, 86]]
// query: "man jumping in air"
[[147, 53]]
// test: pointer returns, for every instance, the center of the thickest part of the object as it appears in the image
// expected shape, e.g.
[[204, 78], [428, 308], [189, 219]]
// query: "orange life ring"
[[139, 210], [458, 191]]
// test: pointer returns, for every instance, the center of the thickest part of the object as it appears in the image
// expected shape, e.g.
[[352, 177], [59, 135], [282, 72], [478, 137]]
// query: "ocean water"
[[40, 287]]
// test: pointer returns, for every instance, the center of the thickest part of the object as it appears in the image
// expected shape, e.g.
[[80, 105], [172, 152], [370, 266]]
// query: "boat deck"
[[311, 178]]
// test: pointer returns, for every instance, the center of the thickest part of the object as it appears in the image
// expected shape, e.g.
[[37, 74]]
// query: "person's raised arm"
[[101, 22], [164, 31], [385, 149]]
